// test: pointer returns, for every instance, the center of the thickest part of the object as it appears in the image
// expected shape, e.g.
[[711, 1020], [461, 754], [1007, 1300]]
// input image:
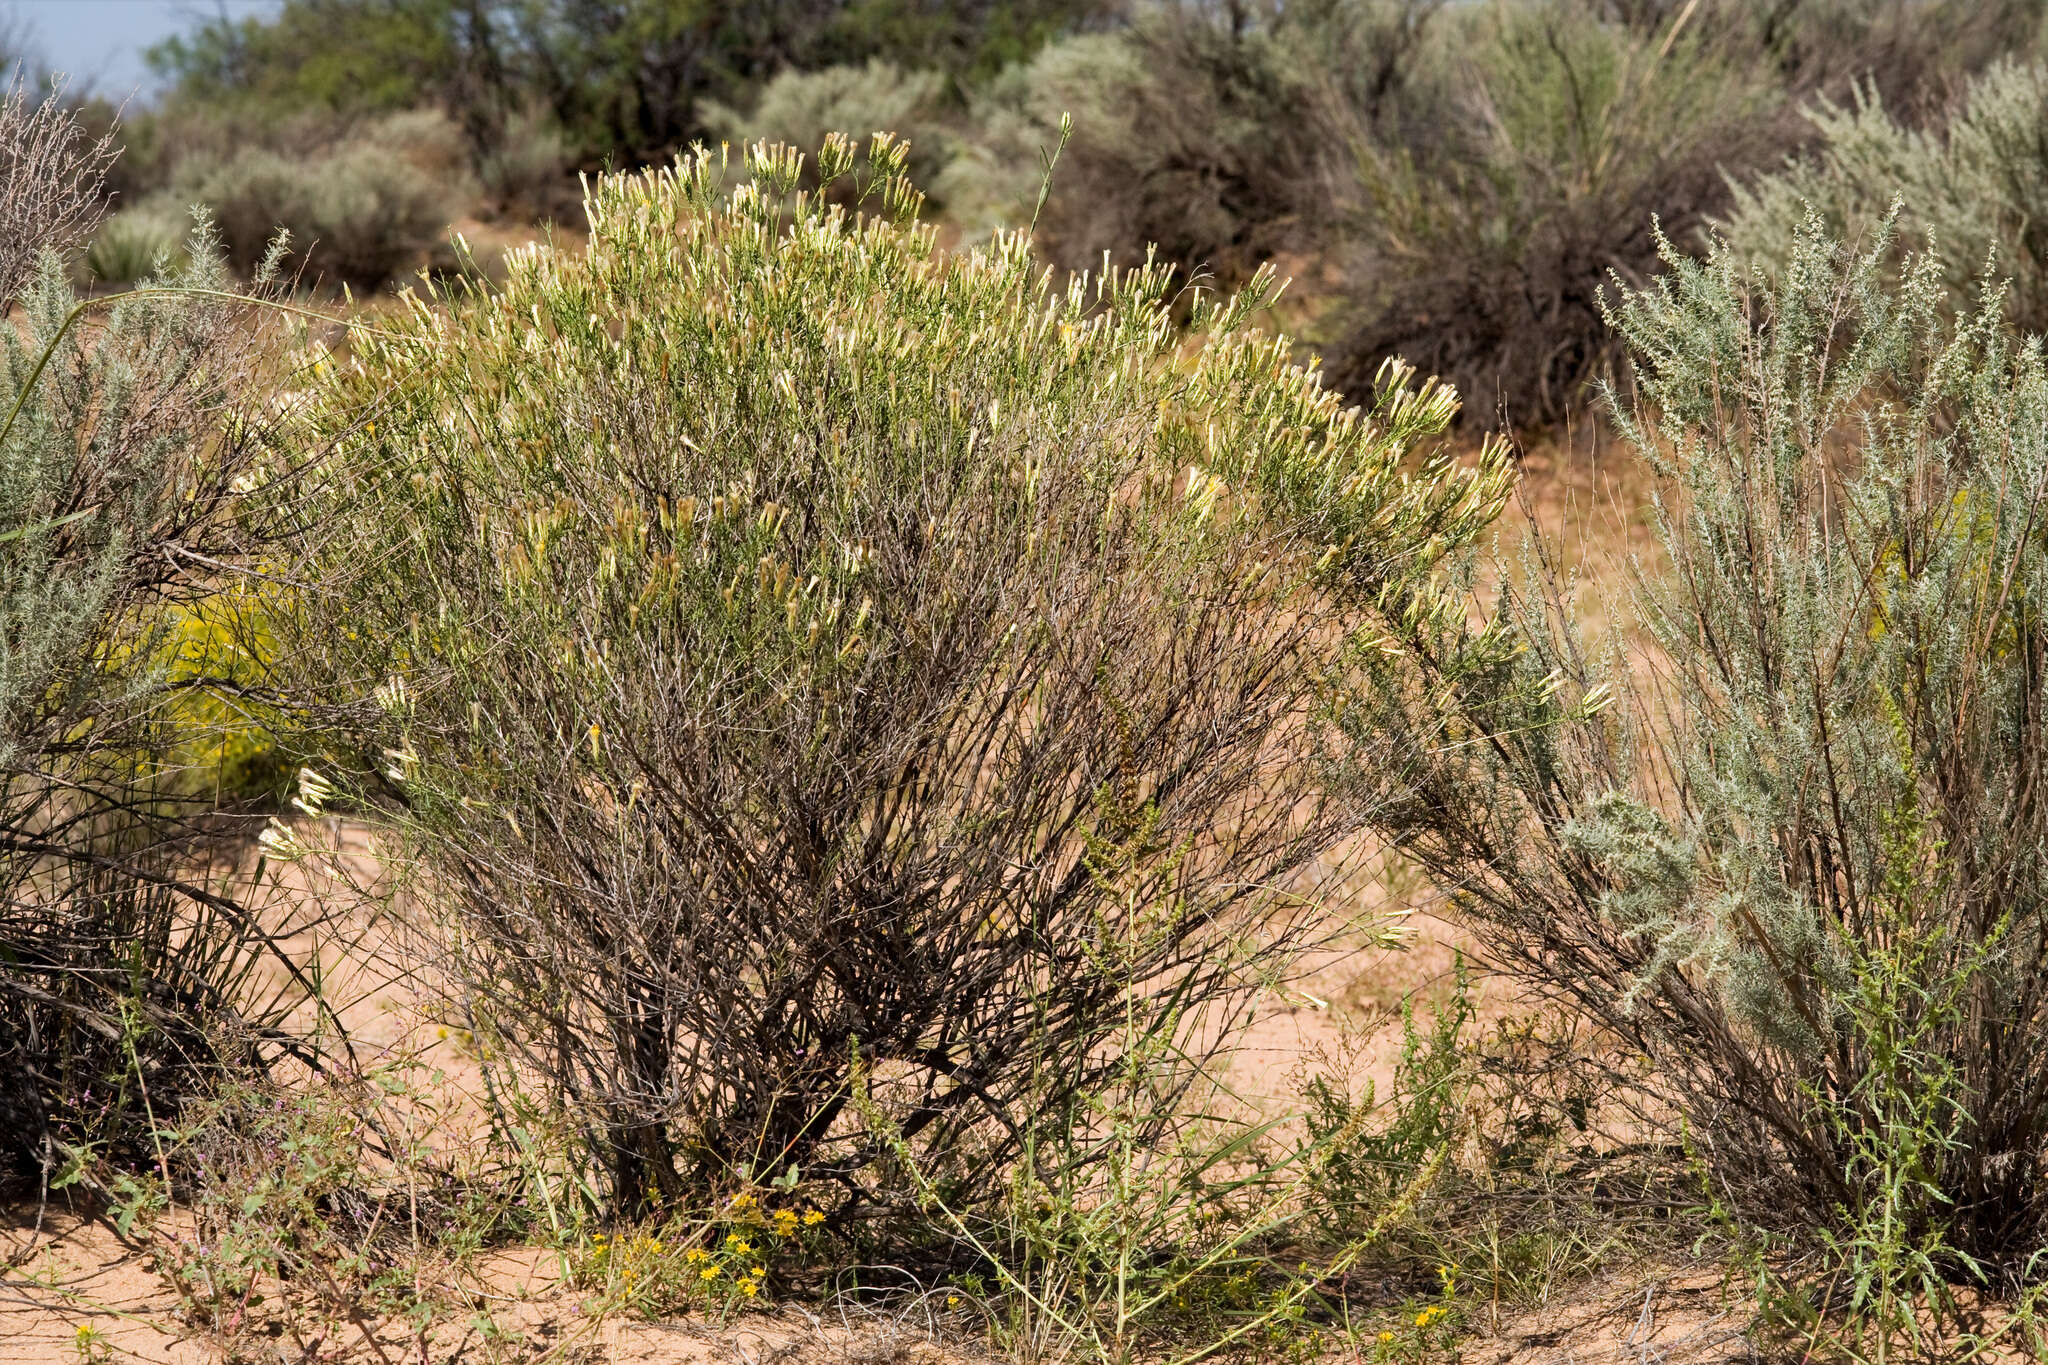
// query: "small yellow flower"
[[743, 1201], [654, 1245], [1386, 1337], [749, 1288], [952, 1300], [1422, 1318], [694, 1255], [813, 1218], [709, 1272]]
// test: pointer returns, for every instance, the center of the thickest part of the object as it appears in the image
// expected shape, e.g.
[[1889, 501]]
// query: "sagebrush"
[[1797, 861]]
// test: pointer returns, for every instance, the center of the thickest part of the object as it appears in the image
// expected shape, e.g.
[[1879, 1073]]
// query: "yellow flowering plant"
[[718, 1261], [1423, 1331]]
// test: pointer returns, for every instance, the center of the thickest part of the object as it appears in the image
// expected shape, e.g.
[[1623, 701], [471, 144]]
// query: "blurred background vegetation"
[[1454, 183]]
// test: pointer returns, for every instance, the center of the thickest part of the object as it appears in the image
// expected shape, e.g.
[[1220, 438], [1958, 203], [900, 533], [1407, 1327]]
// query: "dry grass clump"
[[51, 173]]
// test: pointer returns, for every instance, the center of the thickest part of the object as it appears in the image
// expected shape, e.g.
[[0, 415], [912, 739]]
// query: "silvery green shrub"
[[1782, 834], [359, 210], [1975, 187], [127, 444], [803, 108]]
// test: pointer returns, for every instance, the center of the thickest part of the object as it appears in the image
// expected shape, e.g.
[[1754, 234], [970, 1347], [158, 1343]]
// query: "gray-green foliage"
[[995, 178], [359, 210], [121, 482], [803, 108], [134, 245], [1976, 187], [1189, 136], [1801, 862], [92, 474]]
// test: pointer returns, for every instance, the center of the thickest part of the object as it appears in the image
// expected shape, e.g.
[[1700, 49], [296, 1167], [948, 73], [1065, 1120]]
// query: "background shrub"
[[134, 246], [1798, 863], [1454, 184], [819, 670], [1188, 138], [528, 170], [51, 178], [1480, 252], [359, 212], [1978, 187], [623, 81], [803, 108]]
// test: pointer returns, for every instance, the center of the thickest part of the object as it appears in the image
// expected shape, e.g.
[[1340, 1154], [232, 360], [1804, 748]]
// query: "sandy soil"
[[66, 1270], [78, 1273]]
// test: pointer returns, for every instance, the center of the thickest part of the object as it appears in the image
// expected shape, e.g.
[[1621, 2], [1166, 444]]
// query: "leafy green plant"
[[1367, 1161], [1789, 856], [1900, 1124], [769, 611]]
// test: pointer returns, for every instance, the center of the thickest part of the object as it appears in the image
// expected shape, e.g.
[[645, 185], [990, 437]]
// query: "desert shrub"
[[1975, 186], [130, 976], [1912, 52], [1797, 864], [527, 168], [1192, 135], [1480, 252], [802, 108], [776, 624], [359, 211]]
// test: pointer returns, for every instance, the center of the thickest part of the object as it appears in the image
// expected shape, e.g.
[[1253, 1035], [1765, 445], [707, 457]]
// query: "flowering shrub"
[[763, 621]]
